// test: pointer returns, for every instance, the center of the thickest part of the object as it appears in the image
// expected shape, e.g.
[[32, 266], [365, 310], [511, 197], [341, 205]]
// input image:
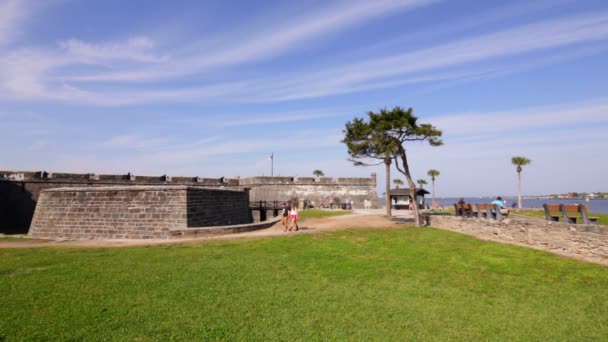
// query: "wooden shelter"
[[401, 199]]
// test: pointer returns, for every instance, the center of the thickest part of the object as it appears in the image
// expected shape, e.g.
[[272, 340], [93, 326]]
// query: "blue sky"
[[211, 88]]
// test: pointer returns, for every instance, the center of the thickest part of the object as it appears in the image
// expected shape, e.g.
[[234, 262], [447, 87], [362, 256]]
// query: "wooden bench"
[[458, 209], [489, 211], [500, 213], [552, 212], [570, 212], [474, 210], [584, 210], [467, 210], [484, 210], [462, 209]]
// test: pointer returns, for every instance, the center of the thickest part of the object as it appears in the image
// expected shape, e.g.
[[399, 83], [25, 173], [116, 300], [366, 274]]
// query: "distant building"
[[401, 199]]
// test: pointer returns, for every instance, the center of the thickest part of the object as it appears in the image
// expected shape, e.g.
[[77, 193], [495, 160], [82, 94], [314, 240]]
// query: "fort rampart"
[[135, 212], [20, 190], [315, 190]]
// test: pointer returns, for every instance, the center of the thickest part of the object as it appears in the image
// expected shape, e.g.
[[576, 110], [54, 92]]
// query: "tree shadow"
[[16, 208]]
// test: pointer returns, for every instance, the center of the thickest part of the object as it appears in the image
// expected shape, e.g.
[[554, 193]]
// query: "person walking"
[[294, 217], [284, 216]]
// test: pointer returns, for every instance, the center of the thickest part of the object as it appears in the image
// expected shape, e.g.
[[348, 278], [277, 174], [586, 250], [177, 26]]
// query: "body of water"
[[595, 206]]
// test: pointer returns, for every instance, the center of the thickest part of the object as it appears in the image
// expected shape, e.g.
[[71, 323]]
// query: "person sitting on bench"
[[460, 207], [499, 202]]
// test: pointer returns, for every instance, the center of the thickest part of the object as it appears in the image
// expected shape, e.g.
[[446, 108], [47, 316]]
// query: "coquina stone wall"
[[315, 190], [587, 242], [20, 190], [135, 212]]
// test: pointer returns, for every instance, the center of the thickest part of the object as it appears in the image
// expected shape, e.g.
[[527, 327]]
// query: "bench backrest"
[[466, 207], [570, 211], [551, 208], [474, 208], [584, 210], [485, 207]]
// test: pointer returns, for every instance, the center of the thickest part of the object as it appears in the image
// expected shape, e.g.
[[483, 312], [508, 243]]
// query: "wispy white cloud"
[[38, 145], [189, 158], [439, 63], [263, 118], [35, 74], [12, 12], [517, 120], [38, 74], [287, 34], [133, 141], [139, 49], [555, 33]]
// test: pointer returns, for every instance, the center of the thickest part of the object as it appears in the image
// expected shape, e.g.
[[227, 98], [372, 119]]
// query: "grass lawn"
[[318, 213], [355, 284], [14, 238], [602, 218]]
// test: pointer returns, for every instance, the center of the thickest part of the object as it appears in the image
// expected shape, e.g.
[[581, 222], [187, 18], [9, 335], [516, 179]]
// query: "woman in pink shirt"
[[293, 213]]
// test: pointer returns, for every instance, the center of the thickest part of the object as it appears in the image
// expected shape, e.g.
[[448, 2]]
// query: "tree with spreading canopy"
[[397, 182], [383, 137], [318, 173], [519, 162], [422, 183], [365, 143]]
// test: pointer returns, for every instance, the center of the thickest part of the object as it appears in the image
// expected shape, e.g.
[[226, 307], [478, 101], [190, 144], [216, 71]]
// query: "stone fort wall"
[[314, 190], [135, 212], [20, 190]]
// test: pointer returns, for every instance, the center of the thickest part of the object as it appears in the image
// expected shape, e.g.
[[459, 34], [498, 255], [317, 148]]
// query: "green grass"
[[14, 238], [602, 218], [357, 284], [318, 213]]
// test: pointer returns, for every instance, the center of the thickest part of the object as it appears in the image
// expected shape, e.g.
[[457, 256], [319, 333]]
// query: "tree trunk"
[[387, 163], [410, 182], [519, 189], [433, 203]]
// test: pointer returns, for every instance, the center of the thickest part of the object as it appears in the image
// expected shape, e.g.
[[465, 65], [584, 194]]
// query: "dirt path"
[[310, 226]]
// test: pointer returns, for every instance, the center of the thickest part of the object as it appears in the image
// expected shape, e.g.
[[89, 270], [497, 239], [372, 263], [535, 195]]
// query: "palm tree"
[[318, 173], [421, 182], [397, 182], [433, 173], [519, 161]]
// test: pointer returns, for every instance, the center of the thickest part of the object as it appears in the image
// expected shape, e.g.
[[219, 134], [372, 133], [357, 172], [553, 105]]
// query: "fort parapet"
[[20, 190]]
